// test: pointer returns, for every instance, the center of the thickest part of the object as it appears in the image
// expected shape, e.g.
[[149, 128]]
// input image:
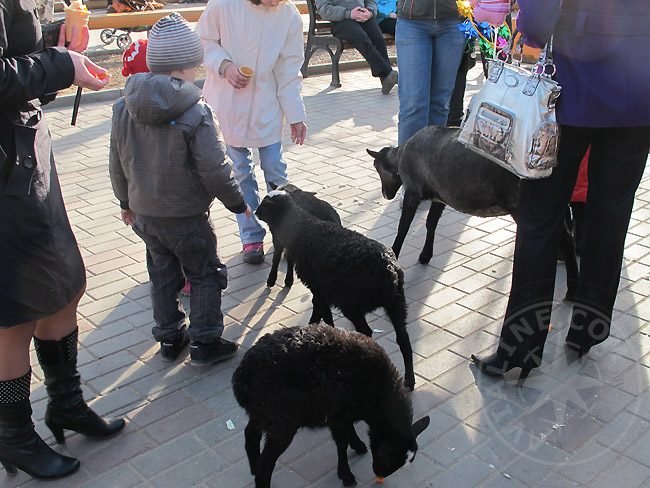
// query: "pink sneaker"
[[186, 289], [254, 253]]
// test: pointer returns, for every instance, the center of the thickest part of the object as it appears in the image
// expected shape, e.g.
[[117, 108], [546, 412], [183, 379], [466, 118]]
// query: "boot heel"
[[525, 371], [10, 468], [59, 435]]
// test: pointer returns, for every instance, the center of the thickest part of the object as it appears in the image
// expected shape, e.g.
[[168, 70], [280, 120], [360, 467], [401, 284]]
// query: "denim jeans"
[[428, 56], [189, 246], [274, 168]]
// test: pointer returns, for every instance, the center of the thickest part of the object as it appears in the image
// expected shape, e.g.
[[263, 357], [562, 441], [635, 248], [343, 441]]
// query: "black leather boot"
[[67, 409], [20, 445]]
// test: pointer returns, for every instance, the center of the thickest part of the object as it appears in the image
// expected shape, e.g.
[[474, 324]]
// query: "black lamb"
[[342, 268], [320, 376], [318, 208], [433, 165]]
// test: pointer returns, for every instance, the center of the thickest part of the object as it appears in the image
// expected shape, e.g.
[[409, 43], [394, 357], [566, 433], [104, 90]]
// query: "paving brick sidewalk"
[[575, 423]]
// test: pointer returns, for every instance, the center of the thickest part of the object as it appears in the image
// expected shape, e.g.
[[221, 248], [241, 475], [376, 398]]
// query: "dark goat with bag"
[[320, 376], [306, 200], [433, 165], [341, 268]]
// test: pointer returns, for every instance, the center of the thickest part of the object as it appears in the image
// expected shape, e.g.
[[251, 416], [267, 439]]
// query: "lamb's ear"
[[374, 154], [420, 425]]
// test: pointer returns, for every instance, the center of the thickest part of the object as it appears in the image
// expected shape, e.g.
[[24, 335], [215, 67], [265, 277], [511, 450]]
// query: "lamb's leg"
[[397, 314], [327, 314], [340, 431], [321, 311], [409, 208], [568, 249], [253, 438], [356, 443], [359, 322], [288, 279], [274, 446], [277, 256], [435, 211]]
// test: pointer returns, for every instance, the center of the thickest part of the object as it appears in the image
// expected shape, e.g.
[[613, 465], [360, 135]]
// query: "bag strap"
[[513, 52]]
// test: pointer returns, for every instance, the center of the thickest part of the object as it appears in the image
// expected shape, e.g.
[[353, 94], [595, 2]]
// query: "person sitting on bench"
[[349, 19]]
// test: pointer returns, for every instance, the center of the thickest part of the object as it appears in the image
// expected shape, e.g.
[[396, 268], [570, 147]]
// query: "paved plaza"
[[576, 422]]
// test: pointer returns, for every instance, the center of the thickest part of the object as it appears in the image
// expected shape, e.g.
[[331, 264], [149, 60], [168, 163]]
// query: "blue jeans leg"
[[275, 170], [428, 56]]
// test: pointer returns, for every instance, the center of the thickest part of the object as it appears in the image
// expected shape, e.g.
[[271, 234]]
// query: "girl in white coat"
[[267, 36]]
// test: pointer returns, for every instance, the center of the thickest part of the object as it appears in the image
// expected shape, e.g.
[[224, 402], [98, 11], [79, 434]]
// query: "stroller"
[[120, 6]]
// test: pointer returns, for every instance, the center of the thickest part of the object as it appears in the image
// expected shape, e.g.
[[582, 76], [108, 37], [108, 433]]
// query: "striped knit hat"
[[173, 45]]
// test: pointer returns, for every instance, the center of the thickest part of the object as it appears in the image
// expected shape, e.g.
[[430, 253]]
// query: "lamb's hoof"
[[288, 283], [410, 385], [348, 480], [271, 281], [424, 259], [360, 449]]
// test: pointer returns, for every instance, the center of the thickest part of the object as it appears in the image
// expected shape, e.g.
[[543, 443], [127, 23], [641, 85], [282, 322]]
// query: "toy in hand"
[[492, 11]]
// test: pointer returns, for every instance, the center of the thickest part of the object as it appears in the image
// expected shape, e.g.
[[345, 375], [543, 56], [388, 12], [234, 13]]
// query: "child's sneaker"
[[219, 350], [254, 253], [185, 291], [169, 350]]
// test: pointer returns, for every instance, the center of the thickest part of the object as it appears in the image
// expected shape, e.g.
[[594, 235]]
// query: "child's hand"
[[298, 132], [128, 217], [248, 212], [234, 77]]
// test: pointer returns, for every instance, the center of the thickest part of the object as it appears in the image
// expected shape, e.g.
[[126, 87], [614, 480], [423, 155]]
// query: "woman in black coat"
[[42, 276]]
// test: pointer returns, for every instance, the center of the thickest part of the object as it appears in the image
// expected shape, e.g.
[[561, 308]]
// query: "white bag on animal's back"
[[511, 121]]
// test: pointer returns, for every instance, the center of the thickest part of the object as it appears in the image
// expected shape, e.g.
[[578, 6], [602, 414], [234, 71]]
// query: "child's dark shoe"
[[169, 350], [219, 350], [254, 253]]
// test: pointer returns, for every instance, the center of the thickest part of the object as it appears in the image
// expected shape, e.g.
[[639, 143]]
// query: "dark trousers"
[[387, 26], [367, 38], [457, 101], [616, 165], [182, 245]]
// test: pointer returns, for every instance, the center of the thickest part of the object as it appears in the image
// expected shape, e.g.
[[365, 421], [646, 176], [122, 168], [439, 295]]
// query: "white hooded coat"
[[269, 40]]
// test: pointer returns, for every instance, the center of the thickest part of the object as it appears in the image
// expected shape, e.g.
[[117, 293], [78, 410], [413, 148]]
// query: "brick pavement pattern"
[[579, 423]]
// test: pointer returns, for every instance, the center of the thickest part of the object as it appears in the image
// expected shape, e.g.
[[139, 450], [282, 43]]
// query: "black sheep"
[[318, 208], [342, 268], [320, 376], [433, 165]]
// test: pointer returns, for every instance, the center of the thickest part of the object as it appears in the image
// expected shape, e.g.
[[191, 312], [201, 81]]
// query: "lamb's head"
[[387, 165], [273, 207], [391, 447]]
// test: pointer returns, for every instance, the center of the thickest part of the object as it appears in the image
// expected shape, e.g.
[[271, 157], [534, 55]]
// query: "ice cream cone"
[[247, 72], [75, 14]]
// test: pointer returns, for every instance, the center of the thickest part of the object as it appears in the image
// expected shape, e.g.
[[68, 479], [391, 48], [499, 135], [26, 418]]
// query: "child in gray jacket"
[[167, 164]]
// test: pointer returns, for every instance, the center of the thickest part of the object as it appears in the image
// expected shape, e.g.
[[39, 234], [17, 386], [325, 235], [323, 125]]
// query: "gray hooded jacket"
[[166, 157]]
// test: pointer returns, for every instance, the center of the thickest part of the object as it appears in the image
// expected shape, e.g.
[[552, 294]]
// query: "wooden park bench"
[[319, 36]]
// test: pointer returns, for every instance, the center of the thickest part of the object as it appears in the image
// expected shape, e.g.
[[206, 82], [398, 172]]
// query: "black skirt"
[[41, 268]]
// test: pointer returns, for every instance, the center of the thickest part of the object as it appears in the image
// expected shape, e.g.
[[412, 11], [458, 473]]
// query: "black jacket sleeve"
[[27, 76]]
